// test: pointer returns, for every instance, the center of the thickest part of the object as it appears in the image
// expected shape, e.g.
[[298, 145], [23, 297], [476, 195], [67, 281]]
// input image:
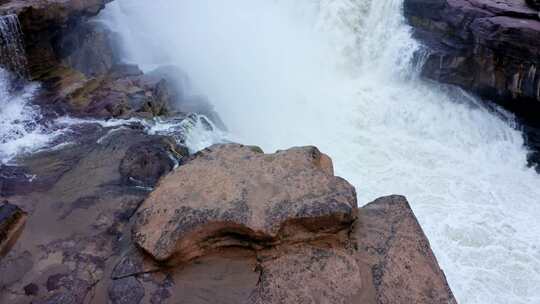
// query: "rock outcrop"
[[490, 48], [45, 23], [79, 198], [391, 241], [76, 61], [12, 220], [234, 195], [300, 222], [258, 228]]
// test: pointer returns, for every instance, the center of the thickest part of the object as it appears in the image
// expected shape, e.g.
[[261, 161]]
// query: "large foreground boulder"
[[250, 228], [236, 195]]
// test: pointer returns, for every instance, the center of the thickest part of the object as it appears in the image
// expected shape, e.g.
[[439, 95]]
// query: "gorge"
[[125, 94]]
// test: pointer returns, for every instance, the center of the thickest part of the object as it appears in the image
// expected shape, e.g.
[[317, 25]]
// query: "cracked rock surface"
[[236, 195]]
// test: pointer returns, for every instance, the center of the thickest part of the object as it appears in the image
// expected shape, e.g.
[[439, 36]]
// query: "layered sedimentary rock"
[[44, 23], [489, 47], [75, 60]]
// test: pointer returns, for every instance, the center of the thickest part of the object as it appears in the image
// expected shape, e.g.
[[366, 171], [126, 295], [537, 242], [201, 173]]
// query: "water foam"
[[20, 129], [338, 74]]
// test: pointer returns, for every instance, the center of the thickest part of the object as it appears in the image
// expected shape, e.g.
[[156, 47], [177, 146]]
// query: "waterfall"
[[12, 52], [338, 74]]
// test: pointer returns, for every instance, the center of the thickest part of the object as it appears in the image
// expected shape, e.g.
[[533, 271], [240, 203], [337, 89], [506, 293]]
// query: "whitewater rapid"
[[337, 74]]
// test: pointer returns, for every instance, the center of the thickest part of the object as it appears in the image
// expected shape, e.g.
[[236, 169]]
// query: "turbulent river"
[[338, 74]]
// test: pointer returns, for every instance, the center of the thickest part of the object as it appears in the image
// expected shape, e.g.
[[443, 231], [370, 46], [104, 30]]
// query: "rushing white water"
[[20, 130], [337, 74]]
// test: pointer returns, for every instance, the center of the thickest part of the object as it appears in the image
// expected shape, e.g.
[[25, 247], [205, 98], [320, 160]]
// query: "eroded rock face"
[[236, 195], [490, 48], [45, 23], [12, 220], [80, 199]]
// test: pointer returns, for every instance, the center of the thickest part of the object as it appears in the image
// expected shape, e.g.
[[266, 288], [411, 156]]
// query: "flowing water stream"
[[19, 128], [338, 74]]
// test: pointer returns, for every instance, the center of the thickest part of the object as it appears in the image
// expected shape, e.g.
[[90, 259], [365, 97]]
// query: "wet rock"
[[146, 163], [45, 22], [186, 102], [120, 92], [534, 4], [12, 220], [60, 298], [87, 48], [489, 48], [236, 195], [126, 291], [31, 289], [79, 218]]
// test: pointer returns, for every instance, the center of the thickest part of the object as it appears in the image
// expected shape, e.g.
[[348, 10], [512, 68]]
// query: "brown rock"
[[387, 260], [236, 195], [489, 48], [44, 22], [403, 267], [80, 203], [12, 220], [305, 273]]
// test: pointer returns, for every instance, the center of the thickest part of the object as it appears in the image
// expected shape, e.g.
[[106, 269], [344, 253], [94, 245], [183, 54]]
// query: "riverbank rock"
[[251, 228], [384, 258], [12, 220], [80, 198], [44, 23], [236, 195], [75, 60], [534, 3], [489, 48], [391, 241]]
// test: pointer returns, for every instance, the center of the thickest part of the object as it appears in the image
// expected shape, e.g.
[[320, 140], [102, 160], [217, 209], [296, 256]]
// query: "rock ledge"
[[234, 195]]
